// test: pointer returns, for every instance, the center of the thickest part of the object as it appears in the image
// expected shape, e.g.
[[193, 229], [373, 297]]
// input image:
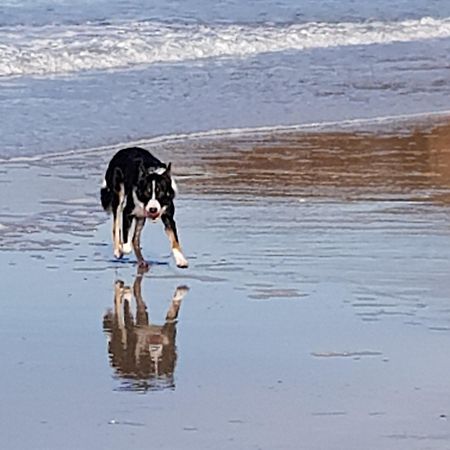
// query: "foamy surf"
[[53, 50]]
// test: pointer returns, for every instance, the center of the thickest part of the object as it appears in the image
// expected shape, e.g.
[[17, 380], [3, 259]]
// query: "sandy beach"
[[314, 313]]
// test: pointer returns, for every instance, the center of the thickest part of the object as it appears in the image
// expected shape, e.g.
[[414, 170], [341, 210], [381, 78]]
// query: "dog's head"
[[154, 192]]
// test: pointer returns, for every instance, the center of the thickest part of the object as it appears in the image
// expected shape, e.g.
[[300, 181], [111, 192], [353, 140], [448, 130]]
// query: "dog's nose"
[[153, 210]]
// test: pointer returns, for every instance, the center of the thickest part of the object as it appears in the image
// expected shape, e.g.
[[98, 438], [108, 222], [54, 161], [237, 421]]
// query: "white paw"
[[118, 253], [180, 260], [127, 295], [127, 248], [118, 288], [180, 293]]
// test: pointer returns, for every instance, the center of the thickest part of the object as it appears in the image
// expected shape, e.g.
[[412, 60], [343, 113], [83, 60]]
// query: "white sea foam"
[[53, 50]]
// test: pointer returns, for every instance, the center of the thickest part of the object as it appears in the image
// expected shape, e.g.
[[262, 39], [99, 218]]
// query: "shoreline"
[[358, 124]]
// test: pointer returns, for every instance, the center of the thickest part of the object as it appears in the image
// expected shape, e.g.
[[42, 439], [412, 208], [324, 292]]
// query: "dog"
[[137, 187]]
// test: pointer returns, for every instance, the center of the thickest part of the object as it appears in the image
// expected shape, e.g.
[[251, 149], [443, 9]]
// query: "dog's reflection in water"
[[142, 354]]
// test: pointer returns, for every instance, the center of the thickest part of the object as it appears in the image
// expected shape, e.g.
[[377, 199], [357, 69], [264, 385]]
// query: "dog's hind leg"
[[117, 207], [171, 231], [140, 222]]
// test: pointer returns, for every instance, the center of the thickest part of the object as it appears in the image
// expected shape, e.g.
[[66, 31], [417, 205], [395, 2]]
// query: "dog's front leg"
[[140, 222], [171, 231]]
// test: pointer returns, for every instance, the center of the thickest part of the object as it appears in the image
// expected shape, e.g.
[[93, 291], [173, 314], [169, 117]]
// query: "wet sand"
[[314, 314]]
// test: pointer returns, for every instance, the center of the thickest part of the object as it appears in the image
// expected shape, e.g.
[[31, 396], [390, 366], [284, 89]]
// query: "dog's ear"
[[169, 168]]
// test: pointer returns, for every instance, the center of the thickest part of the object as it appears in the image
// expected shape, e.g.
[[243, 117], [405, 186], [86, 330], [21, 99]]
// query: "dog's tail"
[[106, 196]]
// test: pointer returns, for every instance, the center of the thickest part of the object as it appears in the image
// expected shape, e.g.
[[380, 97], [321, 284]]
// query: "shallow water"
[[317, 309], [81, 74]]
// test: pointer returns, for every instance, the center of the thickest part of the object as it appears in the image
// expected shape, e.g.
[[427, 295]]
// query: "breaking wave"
[[53, 49]]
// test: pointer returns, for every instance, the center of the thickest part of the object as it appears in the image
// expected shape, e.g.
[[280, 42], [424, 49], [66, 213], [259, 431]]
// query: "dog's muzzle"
[[153, 213]]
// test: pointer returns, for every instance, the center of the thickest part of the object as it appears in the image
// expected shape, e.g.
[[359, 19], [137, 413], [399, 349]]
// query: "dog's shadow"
[[142, 354], [131, 261]]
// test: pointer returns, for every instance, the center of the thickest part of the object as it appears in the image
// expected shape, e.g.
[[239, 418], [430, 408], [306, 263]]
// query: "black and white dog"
[[137, 187]]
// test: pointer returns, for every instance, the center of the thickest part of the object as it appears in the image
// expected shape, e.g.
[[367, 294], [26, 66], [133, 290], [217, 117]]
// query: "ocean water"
[[81, 74]]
